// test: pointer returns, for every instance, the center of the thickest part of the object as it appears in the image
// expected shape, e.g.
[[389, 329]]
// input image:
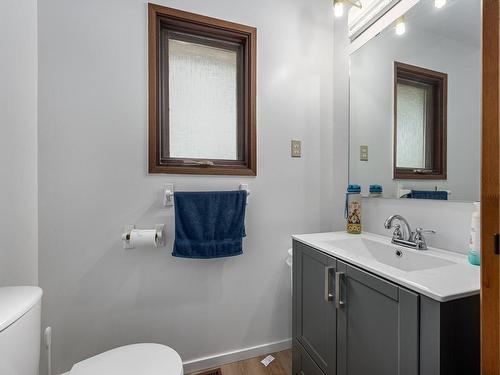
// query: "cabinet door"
[[302, 362], [377, 326], [314, 313]]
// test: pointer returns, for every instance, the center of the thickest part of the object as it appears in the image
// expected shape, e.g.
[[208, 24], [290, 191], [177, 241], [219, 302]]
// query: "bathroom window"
[[202, 94], [420, 106]]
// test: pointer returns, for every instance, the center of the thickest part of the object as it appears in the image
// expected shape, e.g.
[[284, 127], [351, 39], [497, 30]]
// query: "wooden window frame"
[[406, 73], [193, 27]]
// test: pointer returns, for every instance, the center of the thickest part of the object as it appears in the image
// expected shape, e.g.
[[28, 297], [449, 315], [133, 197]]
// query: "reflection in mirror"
[[420, 122], [413, 127], [415, 105]]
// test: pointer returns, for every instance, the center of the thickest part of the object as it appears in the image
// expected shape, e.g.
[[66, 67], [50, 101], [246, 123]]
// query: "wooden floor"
[[282, 365]]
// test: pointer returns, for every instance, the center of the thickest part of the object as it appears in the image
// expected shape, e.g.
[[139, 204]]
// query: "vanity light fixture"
[[400, 26], [338, 6], [439, 3]]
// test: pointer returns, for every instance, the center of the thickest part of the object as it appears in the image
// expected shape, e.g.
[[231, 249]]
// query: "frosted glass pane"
[[411, 126], [203, 101]]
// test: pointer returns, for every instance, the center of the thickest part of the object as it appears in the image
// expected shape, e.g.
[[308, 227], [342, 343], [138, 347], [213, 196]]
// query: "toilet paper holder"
[[157, 237]]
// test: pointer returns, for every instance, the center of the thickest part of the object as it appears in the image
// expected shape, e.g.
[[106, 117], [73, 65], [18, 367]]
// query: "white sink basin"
[[392, 255], [439, 274]]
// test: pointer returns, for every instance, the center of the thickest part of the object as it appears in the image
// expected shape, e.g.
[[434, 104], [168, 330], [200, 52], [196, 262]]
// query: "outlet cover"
[[363, 153], [296, 148]]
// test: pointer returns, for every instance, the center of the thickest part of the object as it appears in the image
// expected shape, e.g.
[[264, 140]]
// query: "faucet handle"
[[420, 239], [420, 231], [397, 234]]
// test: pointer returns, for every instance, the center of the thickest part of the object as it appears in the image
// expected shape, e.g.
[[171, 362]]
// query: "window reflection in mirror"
[[420, 107], [413, 126]]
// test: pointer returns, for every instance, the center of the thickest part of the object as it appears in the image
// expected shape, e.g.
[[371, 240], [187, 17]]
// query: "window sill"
[[203, 170]]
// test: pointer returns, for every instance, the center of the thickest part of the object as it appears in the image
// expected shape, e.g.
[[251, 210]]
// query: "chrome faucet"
[[404, 236]]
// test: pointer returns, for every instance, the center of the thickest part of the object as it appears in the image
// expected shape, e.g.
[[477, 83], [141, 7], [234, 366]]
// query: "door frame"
[[490, 171]]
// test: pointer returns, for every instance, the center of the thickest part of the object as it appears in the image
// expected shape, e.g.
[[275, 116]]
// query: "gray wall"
[[18, 144], [372, 107], [93, 180]]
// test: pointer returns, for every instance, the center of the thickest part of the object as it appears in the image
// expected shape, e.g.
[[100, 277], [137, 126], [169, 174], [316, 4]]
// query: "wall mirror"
[[415, 104]]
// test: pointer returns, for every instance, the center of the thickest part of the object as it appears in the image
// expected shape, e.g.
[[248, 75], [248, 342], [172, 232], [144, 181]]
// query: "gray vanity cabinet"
[[377, 325], [347, 321], [315, 316]]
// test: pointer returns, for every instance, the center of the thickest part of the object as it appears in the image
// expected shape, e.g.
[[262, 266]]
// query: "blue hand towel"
[[429, 194], [209, 224]]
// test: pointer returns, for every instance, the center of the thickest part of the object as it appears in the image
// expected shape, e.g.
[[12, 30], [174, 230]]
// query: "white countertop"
[[460, 279]]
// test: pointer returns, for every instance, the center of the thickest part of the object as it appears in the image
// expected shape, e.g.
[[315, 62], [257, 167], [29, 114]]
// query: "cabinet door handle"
[[328, 284], [338, 300]]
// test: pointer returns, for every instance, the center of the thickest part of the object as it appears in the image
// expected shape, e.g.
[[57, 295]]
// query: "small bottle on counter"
[[353, 209], [475, 236], [375, 191]]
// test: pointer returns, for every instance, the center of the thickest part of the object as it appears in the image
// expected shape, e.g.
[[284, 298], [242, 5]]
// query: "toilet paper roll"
[[143, 237]]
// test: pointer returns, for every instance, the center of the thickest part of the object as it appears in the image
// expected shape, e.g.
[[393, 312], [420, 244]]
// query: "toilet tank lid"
[[15, 301]]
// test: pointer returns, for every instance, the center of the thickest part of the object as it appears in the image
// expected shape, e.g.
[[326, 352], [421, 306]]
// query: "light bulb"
[[400, 26], [439, 3], [338, 8]]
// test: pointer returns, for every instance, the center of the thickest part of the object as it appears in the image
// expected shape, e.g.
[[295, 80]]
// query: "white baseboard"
[[234, 356]]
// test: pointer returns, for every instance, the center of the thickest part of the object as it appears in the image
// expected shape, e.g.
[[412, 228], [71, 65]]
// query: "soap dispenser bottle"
[[475, 235], [353, 209]]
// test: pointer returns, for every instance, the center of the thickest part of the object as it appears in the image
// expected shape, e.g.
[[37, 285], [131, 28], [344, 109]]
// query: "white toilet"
[[20, 328]]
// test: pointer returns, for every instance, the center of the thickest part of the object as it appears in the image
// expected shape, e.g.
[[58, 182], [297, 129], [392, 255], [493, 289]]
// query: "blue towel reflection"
[[429, 194]]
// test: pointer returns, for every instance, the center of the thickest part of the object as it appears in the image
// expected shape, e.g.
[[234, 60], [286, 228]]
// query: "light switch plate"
[[363, 153], [296, 148]]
